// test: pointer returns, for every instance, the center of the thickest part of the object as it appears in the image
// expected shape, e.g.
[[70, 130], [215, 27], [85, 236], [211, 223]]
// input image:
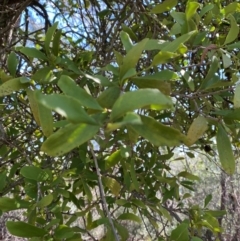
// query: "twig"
[[102, 194]]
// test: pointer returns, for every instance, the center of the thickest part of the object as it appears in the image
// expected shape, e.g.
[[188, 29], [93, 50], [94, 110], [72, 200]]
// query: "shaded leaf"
[[45, 201], [34, 173], [233, 32], [11, 86], [132, 57], [180, 233], [12, 63], [225, 151], [108, 97], [236, 99], [67, 138], [142, 98], [130, 217], [112, 184], [167, 5], [33, 53], [24, 230], [157, 133], [9, 204], [196, 130], [69, 87], [65, 106]]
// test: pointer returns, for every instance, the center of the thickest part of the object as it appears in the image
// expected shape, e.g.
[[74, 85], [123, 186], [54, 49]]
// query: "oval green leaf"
[[34, 173], [65, 106], [24, 230], [157, 133], [140, 99], [225, 151], [67, 138], [69, 87]]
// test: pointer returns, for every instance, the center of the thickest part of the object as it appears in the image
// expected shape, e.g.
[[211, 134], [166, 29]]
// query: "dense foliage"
[[97, 100]]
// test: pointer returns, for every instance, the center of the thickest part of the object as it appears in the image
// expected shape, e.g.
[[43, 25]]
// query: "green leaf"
[[46, 119], [33, 53], [175, 44], [233, 46], [112, 184], [108, 97], [129, 118], [157, 133], [127, 42], [66, 106], [225, 151], [180, 233], [226, 61], [67, 138], [63, 232], [236, 99], [34, 105], [189, 176], [24, 230], [216, 213], [196, 239], [153, 44], [9, 204], [196, 130], [134, 176], [191, 9], [207, 200], [167, 5], [122, 231], [49, 35], [12, 63], [56, 42], [211, 73], [233, 32], [34, 173], [206, 9], [130, 217], [132, 57], [163, 57], [44, 75], [142, 98], [87, 190], [3, 176], [211, 222], [232, 8], [11, 86], [113, 159], [69, 87], [45, 201]]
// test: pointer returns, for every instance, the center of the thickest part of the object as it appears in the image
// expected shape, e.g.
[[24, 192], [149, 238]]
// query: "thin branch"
[[102, 193]]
